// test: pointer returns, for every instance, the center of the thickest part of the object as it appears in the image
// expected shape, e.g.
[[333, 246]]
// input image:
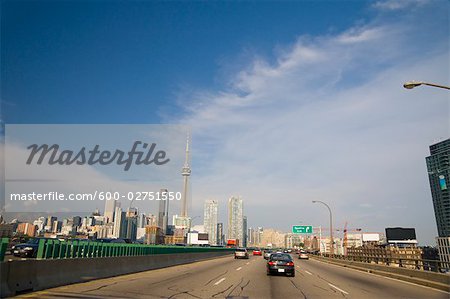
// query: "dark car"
[[28, 249], [280, 263]]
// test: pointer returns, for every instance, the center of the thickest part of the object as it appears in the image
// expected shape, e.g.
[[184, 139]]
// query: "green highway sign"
[[302, 229]]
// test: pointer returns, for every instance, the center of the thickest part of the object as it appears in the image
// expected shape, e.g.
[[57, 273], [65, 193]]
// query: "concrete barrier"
[[425, 278], [23, 276]]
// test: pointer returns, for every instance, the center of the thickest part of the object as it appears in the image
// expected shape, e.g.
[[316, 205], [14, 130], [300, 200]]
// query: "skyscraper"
[[438, 174], [131, 223], [244, 231], [438, 165], [163, 212], [236, 219], [210, 220], [120, 222], [220, 237], [110, 206]]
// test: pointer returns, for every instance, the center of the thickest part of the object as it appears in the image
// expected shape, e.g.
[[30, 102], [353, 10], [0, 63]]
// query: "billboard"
[[371, 237], [400, 234]]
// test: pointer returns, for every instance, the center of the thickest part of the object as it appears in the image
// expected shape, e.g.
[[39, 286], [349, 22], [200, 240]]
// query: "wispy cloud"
[[327, 120], [398, 4]]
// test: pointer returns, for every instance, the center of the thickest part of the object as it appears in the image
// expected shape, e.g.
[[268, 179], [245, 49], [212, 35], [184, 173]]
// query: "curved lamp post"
[[412, 84], [331, 225]]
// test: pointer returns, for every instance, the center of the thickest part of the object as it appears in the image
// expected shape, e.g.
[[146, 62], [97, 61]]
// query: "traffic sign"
[[302, 229]]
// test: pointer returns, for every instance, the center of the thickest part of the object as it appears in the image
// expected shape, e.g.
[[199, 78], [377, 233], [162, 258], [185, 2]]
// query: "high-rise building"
[[438, 165], [120, 222], [110, 206], [244, 231], [210, 220], [76, 221], [40, 224], [28, 229], [142, 221], [163, 212], [56, 227], [253, 237], [152, 220], [49, 226], [131, 223], [235, 219], [220, 236]]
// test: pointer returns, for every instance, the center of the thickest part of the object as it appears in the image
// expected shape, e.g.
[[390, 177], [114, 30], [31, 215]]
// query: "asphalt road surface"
[[229, 278]]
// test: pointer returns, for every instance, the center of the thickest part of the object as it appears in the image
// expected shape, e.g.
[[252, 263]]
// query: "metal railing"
[[56, 249], [395, 261], [3, 247]]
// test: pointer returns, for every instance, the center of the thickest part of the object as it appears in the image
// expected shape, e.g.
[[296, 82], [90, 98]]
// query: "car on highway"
[[28, 249], [257, 251], [267, 253], [303, 255], [241, 253], [280, 263]]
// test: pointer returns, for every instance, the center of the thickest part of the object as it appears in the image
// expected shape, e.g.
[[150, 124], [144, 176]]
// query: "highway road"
[[229, 278]]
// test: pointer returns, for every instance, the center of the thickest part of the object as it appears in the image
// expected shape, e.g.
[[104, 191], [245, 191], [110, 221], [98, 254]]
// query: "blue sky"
[[103, 60], [288, 101]]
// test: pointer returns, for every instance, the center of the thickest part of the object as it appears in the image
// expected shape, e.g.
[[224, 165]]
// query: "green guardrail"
[[56, 249], [3, 246]]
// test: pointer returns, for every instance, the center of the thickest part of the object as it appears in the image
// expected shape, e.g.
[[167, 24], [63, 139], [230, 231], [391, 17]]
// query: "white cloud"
[[328, 120], [398, 4]]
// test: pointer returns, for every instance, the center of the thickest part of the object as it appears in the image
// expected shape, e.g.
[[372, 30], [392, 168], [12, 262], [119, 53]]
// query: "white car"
[[241, 253], [303, 255], [267, 254]]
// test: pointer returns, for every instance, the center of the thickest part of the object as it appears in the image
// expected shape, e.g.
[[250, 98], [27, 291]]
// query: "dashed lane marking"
[[340, 290], [219, 281]]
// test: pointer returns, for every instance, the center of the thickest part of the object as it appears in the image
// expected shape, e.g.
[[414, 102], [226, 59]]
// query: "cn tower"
[[185, 172]]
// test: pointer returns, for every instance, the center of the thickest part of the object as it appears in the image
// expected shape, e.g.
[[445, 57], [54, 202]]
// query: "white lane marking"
[[381, 276], [298, 266], [247, 263], [219, 281], [308, 272], [238, 268], [340, 290]]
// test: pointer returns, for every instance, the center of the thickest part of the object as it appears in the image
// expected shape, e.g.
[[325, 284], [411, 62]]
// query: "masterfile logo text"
[[148, 155]]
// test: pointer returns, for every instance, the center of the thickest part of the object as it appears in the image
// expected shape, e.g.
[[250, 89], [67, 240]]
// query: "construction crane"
[[345, 238]]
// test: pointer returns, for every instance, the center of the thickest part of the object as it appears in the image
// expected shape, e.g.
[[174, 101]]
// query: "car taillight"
[[290, 264], [272, 264]]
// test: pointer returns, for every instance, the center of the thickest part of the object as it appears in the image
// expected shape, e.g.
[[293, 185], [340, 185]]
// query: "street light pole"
[[412, 84], [331, 225]]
